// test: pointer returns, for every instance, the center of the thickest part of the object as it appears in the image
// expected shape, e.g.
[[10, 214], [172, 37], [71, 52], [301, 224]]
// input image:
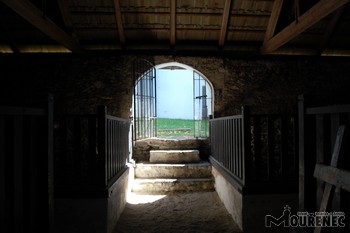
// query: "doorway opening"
[[172, 100]]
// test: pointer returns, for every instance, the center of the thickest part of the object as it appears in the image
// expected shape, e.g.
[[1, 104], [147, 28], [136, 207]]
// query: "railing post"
[[247, 166], [102, 144]]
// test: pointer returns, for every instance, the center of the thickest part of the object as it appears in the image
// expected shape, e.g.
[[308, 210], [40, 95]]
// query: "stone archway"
[[202, 97]]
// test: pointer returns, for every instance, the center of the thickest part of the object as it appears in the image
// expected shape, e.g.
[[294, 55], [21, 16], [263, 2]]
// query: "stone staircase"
[[171, 171]]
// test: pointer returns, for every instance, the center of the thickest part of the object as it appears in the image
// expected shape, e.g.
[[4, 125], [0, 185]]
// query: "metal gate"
[[145, 105], [202, 105]]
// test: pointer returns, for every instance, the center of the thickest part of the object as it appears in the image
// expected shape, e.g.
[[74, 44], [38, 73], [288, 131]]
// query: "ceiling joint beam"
[[33, 15], [119, 20], [224, 23], [306, 20], [275, 14]]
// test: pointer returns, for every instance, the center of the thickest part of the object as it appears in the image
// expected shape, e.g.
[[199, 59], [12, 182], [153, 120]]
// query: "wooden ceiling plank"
[[33, 15], [330, 29], [119, 20], [224, 23], [275, 14], [305, 21], [172, 22]]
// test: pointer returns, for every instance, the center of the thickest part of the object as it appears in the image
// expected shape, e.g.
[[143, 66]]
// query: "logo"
[[306, 219]]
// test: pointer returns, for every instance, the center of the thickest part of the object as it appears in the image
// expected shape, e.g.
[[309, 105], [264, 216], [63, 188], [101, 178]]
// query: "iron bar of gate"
[[144, 99]]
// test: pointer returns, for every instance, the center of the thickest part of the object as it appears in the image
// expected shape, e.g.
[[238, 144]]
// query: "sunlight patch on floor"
[[135, 199]]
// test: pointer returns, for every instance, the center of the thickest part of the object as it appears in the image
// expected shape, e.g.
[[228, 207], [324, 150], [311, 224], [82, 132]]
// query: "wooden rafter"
[[66, 15], [34, 16], [305, 21], [224, 23], [275, 14], [172, 22], [330, 29], [119, 20]]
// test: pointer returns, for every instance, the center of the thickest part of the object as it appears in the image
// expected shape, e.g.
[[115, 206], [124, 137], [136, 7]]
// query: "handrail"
[[226, 118], [328, 109]]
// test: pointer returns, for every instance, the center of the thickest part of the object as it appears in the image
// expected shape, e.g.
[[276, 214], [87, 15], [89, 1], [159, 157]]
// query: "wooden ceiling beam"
[[330, 29], [305, 21], [275, 14], [224, 23], [33, 15], [119, 20], [172, 22]]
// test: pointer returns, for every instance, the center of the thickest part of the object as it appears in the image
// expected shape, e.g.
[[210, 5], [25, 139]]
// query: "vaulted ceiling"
[[251, 27]]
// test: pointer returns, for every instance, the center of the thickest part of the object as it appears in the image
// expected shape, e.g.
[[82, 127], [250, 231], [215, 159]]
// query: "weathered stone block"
[[174, 156]]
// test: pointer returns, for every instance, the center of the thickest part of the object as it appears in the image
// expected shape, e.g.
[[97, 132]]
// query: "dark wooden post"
[[102, 144], [284, 146], [18, 173], [301, 121], [307, 158], [2, 176], [92, 150], [247, 166], [271, 148], [50, 122], [257, 148]]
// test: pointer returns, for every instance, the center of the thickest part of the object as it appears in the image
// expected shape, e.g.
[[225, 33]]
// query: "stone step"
[[174, 156], [159, 186], [192, 170]]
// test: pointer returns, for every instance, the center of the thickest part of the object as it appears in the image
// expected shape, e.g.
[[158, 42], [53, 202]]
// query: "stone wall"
[[80, 83]]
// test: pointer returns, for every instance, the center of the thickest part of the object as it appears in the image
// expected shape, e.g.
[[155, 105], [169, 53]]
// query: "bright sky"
[[175, 94]]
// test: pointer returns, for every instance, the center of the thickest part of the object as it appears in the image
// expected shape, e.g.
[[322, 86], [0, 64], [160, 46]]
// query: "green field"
[[175, 127]]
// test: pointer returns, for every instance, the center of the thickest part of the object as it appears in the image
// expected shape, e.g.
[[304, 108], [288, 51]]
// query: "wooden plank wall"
[[26, 175], [318, 128]]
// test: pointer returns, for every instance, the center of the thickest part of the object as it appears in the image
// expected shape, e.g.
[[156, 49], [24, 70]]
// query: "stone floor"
[[175, 213]]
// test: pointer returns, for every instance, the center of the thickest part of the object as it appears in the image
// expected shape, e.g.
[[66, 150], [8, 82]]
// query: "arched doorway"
[[171, 100]]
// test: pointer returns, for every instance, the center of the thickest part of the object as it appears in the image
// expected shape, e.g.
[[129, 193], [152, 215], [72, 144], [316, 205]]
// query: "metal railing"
[[257, 150], [117, 151], [228, 136]]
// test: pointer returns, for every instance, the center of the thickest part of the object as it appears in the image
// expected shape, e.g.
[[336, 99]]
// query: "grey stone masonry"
[[174, 156], [157, 186], [169, 178], [193, 170], [173, 170]]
